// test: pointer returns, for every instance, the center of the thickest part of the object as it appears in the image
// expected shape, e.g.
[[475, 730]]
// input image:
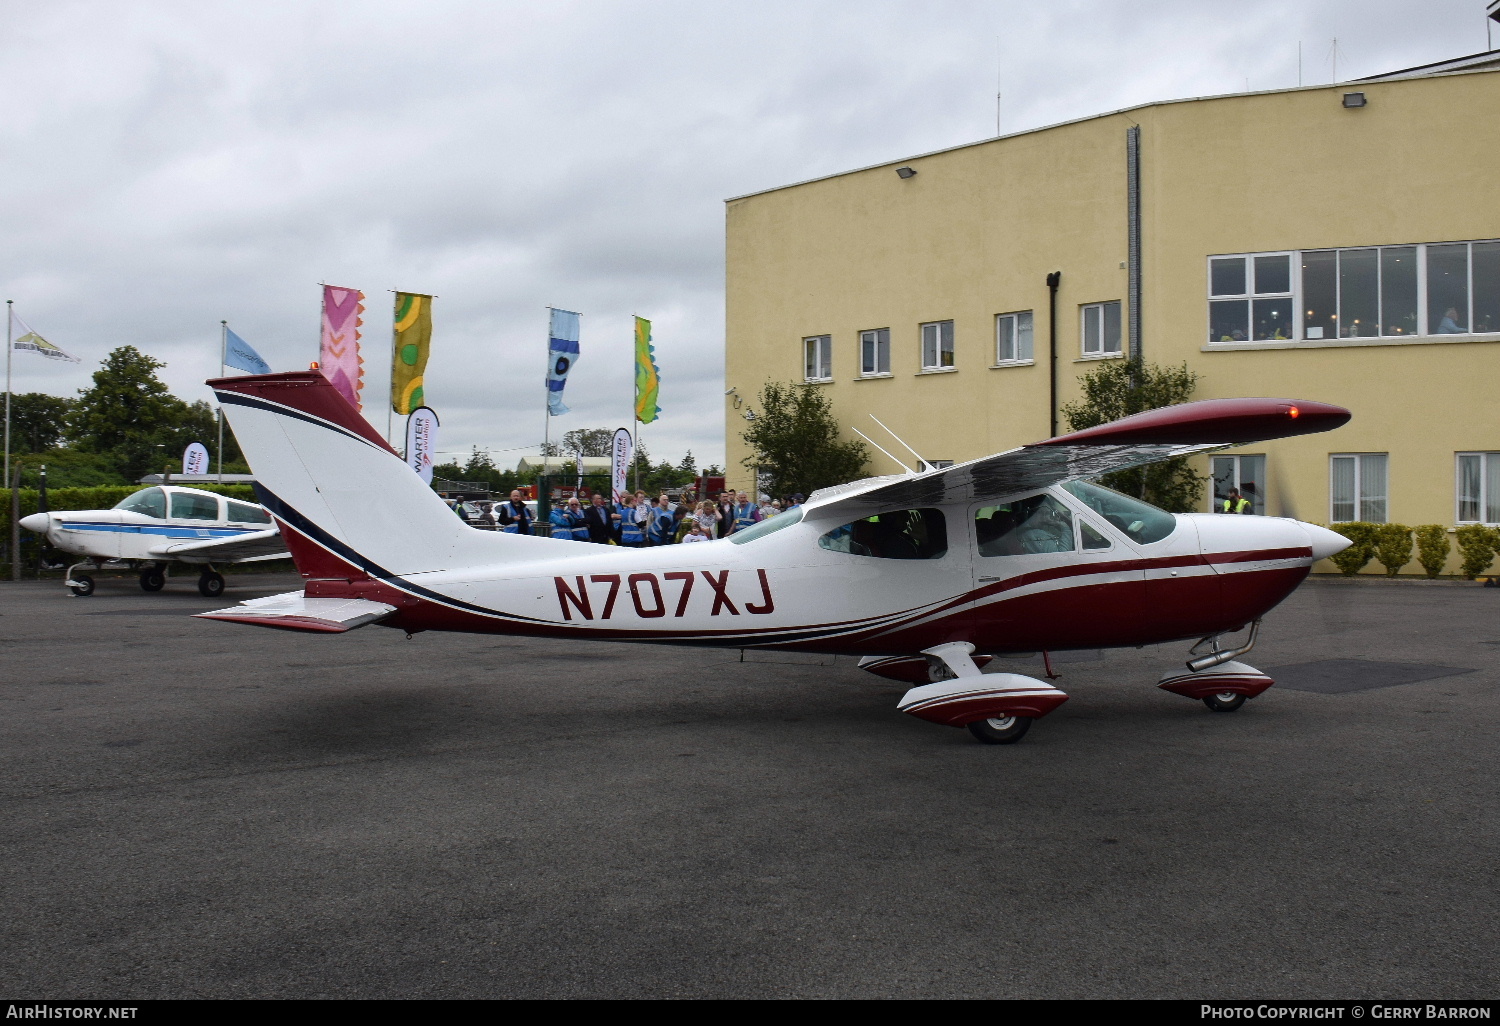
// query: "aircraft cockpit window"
[[1038, 523], [768, 526], [151, 502], [194, 506], [1139, 521], [904, 534], [1092, 539], [244, 513]]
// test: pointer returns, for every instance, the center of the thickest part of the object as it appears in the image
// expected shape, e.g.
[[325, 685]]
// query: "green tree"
[[1121, 388], [794, 439], [130, 416], [688, 466], [38, 421], [589, 441]]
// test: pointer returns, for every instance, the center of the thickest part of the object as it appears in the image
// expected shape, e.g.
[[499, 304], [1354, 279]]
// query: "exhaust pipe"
[[1216, 658]]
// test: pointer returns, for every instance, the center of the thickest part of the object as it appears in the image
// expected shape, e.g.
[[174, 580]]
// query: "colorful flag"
[[29, 341], [237, 353], [647, 377], [421, 441], [562, 353], [413, 340], [338, 356]]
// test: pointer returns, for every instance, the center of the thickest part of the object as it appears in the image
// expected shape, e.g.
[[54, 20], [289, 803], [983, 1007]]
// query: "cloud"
[[169, 165]]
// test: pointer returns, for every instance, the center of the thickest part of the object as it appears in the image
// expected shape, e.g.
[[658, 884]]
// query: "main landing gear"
[[211, 584], [1217, 678], [998, 708], [153, 578]]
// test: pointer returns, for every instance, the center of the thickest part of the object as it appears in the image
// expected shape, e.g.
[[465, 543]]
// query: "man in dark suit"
[[725, 526], [603, 521]]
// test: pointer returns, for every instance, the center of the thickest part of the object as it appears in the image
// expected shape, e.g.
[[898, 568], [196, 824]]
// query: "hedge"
[[1433, 548], [1476, 548]]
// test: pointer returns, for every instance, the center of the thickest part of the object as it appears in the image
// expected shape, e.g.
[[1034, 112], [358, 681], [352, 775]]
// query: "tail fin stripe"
[[236, 399]]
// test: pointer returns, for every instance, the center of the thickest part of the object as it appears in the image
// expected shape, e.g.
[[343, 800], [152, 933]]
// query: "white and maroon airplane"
[[923, 575]]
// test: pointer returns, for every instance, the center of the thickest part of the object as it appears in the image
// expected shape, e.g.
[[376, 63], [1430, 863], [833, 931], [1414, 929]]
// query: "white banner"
[[421, 441], [195, 459], [621, 450]]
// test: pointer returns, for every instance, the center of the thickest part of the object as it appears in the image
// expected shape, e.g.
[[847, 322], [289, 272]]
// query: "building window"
[[1479, 487], [1250, 298], [1245, 473], [1357, 487], [937, 345], [1447, 288], [817, 355], [1101, 329], [1013, 338], [875, 352]]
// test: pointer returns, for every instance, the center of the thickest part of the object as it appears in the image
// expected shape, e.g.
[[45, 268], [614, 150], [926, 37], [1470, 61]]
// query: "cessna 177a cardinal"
[[156, 527], [924, 575]]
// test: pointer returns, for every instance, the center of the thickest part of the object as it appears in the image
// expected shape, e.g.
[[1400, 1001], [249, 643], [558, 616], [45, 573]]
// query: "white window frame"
[[1488, 485], [1083, 330], [1257, 498], [1014, 321], [880, 338], [1359, 459], [817, 363], [943, 346], [1294, 277], [1427, 318]]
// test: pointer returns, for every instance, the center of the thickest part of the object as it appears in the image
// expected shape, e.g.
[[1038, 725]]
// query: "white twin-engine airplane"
[[158, 526], [925, 575]]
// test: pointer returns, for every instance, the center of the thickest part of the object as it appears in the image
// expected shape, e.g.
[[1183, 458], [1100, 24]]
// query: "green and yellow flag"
[[647, 378], [413, 338]]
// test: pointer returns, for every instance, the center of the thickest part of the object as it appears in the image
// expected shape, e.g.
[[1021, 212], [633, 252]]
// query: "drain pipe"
[[1216, 658], [1053, 281]]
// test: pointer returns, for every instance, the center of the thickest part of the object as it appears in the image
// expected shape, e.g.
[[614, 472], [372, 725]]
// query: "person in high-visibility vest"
[[1236, 503]]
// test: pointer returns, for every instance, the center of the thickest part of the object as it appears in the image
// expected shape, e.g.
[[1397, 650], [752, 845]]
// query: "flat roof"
[[1480, 63]]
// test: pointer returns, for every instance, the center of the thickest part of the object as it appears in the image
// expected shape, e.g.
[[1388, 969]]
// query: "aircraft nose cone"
[[1324, 542], [38, 522]]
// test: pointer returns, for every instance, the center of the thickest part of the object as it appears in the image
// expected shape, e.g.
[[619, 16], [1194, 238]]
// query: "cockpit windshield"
[[765, 527], [1139, 521], [151, 502]]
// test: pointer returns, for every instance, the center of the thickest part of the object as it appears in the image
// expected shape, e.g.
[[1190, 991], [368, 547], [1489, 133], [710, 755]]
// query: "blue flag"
[[238, 354], [562, 353]]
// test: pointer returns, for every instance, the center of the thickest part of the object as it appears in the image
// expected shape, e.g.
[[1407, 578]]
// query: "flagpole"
[[223, 347], [390, 404], [8, 321]]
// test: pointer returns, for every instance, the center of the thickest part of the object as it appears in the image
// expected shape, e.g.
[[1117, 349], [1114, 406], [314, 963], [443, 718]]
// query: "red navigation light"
[[1293, 412]]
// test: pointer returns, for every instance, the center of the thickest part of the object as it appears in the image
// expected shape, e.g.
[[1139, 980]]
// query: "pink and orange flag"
[[339, 358]]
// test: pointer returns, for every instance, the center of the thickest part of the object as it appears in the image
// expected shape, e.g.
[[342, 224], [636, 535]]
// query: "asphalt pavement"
[[197, 809]]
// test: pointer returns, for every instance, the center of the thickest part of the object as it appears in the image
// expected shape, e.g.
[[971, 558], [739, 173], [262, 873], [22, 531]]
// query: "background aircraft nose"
[[38, 522], [1324, 542]]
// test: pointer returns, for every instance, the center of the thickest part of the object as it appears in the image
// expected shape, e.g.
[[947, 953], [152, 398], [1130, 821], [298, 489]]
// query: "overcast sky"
[[169, 165]]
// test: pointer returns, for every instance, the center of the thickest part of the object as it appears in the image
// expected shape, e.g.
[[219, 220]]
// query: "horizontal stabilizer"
[[294, 611]]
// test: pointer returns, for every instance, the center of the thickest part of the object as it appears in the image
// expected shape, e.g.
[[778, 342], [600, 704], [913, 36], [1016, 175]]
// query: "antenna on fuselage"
[[877, 445], [921, 463]]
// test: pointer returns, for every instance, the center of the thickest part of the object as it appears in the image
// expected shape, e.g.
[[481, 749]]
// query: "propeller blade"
[[1282, 492]]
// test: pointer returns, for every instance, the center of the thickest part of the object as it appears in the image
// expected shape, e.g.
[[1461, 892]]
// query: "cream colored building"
[[1335, 243]]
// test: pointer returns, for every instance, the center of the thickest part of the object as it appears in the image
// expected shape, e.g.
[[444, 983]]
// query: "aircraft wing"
[[294, 611], [1129, 442], [239, 548]]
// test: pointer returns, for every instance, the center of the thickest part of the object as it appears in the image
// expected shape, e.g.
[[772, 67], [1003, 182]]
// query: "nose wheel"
[[1226, 701]]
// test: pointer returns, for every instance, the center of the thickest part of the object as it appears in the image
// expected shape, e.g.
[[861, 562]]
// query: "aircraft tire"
[[152, 579], [1001, 731], [82, 586], [1225, 702], [211, 585]]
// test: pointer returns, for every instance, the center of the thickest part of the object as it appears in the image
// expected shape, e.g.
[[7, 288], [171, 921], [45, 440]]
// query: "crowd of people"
[[638, 521]]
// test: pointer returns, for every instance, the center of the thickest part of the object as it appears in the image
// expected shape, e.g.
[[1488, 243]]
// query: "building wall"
[[976, 231]]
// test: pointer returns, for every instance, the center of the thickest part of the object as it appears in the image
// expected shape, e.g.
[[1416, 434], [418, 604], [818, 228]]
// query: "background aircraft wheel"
[[1004, 730], [82, 586], [152, 579], [211, 585], [1226, 701]]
